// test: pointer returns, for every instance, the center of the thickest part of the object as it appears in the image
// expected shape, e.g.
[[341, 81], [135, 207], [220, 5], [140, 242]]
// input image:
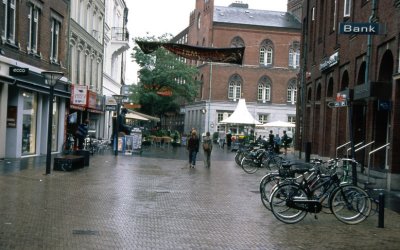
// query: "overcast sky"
[[157, 17]]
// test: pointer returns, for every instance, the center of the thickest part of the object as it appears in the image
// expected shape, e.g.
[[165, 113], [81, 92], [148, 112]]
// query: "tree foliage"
[[163, 72]]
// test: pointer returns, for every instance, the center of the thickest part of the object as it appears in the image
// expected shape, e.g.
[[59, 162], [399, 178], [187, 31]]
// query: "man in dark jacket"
[[82, 132]]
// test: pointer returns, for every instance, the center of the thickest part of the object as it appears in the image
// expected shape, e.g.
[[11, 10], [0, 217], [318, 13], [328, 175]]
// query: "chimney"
[[239, 4]]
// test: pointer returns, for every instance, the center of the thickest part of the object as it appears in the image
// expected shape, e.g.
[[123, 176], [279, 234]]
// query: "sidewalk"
[[155, 201]]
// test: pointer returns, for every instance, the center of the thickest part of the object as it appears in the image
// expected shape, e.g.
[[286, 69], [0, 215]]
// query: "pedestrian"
[[207, 147], [271, 138], [193, 147], [229, 139], [122, 127], [285, 141], [81, 133], [277, 143], [222, 137]]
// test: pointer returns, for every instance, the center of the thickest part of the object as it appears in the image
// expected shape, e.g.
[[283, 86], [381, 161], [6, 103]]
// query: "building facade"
[[33, 40], [267, 79], [350, 75], [86, 53], [116, 43]]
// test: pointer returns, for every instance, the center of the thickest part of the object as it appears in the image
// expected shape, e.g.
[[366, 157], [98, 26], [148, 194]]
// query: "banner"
[[221, 55]]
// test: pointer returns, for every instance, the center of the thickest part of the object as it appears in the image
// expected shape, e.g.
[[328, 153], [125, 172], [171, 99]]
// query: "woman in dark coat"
[[193, 147]]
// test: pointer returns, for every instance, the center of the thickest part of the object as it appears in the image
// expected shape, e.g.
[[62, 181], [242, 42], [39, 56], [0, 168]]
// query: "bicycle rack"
[[369, 158], [355, 146], [341, 146], [358, 149]]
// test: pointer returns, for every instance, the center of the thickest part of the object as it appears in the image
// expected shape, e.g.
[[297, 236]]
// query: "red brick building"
[[267, 79], [343, 61]]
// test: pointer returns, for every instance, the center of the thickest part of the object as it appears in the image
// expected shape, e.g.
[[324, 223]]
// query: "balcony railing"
[[119, 34]]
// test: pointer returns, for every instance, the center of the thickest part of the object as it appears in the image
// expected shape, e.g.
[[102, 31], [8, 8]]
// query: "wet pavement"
[[155, 201]]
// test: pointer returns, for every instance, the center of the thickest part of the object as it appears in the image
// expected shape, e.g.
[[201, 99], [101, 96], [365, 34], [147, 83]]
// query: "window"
[[29, 111], [347, 8], [33, 28], [266, 53], [291, 119], [333, 15], [8, 24], [198, 21], [264, 89], [294, 58], [235, 87], [55, 38], [237, 42], [263, 118], [220, 117], [292, 92]]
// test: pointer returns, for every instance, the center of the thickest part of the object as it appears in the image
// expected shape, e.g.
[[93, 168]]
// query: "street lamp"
[[51, 78], [118, 99]]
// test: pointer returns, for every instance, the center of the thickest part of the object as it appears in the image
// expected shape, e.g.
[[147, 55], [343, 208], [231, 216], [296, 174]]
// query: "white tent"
[[241, 115]]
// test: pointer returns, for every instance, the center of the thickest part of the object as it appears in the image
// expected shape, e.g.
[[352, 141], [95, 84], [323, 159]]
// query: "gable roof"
[[266, 18]]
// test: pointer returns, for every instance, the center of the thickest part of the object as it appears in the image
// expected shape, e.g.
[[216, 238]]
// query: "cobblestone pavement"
[[147, 202]]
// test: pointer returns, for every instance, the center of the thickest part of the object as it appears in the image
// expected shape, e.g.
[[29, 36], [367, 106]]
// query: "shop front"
[[24, 111], [86, 105]]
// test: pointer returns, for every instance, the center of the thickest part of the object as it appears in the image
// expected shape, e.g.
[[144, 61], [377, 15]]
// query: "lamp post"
[[51, 78], [118, 99]]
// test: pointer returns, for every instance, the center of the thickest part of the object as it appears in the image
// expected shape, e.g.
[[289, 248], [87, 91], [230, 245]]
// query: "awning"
[[149, 117], [136, 117]]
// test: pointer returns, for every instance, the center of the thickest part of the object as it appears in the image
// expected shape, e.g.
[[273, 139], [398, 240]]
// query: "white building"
[[116, 43]]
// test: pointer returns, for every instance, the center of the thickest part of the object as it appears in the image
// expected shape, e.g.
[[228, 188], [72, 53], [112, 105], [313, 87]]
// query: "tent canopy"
[[277, 124], [241, 115]]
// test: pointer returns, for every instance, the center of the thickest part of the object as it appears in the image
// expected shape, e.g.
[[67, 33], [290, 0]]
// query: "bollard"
[[308, 151], [381, 210]]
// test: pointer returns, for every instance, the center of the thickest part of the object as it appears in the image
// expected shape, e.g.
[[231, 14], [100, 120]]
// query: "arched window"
[[292, 92], [264, 89], [237, 42], [235, 87], [294, 55], [266, 53]]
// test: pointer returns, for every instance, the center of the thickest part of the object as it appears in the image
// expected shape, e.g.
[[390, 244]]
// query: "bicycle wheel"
[[274, 162], [238, 157], [267, 184], [279, 198], [249, 166], [350, 204]]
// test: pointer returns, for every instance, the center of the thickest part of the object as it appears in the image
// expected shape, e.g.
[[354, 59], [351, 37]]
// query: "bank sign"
[[359, 28]]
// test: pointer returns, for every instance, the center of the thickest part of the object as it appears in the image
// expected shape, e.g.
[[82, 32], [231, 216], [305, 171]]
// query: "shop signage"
[[17, 71], [78, 94], [359, 28], [329, 62]]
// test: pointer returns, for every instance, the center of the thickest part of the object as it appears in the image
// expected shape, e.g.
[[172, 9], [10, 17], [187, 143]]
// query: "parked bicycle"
[[291, 201], [261, 158], [68, 145]]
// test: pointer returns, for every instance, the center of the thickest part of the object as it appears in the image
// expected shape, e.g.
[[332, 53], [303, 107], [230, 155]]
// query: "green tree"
[[165, 80]]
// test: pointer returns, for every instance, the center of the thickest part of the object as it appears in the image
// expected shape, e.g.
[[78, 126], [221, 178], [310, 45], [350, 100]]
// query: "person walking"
[[271, 138], [222, 137], [193, 147], [207, 147], [81, 133], [285, 141]]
